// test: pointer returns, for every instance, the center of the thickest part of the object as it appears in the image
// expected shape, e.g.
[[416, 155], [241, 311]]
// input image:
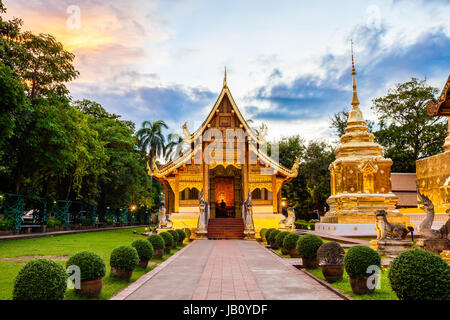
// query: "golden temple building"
[[433, 173], [226, 158], [360, 179]]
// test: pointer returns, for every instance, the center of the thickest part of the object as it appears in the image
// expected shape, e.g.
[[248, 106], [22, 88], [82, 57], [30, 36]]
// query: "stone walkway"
[[226, 270]]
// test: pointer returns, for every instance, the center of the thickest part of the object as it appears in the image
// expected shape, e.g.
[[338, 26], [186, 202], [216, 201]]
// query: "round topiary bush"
[[268, 232], [358, 259], [168, 239], [188, 233], [157, 241], [40, 279], [331, 253], [419, 275], [144, 249], [308, 245], [175, 237], [272, 235], [280, 238], [124, 258], [262, 232], [91, 265], [181, 235], [290, 241]]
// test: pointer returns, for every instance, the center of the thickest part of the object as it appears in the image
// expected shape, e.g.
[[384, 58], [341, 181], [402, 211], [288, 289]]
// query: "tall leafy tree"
[[406, 131]]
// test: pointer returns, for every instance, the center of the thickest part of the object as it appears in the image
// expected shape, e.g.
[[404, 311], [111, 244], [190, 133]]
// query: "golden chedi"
[[360, 177]]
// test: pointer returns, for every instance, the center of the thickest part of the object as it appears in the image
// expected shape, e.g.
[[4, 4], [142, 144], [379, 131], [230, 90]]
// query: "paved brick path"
[[226, 270]]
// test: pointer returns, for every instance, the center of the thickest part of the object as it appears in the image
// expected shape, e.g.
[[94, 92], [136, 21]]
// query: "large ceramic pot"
[[122, 274], [294, 253], [143, 264], [263, 239], [167, 249], [310, 263], [333, 273], [359, 285], [159, 253], [273, 245], [284, 251], [91, 288], [180, 243]]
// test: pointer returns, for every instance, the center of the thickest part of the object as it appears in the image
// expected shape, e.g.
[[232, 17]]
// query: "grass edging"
[[326, 284]]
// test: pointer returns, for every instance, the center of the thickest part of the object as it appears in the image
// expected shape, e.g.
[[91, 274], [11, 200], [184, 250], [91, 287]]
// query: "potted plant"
[[145, 251], [92, 271], [158, 245], [290, 244], [175, 237], [420, 275], [187, 231], [307, 247], [168, 241], [262, 234], [279, 241], [123, 261], [271, 239], [40, 279], [357, 261], [331, 261], [181, 236]]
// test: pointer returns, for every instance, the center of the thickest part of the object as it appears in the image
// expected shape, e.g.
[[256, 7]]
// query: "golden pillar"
[[274, 194], [447, 139], [176, 192]]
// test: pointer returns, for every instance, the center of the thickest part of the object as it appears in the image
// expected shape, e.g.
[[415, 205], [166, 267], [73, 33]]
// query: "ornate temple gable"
[[442, 107]]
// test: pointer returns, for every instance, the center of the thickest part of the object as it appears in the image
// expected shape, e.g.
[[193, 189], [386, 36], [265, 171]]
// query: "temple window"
[[256, 194]]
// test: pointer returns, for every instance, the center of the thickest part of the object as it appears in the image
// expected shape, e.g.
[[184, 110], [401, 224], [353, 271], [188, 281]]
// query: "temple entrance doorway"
[[224, 200], [225, 192]]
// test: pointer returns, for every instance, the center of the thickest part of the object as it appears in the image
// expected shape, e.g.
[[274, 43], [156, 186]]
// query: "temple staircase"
[[225, 228]]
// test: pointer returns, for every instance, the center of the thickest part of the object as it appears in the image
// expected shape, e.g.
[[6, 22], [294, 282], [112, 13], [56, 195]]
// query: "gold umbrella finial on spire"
[[355, 100]]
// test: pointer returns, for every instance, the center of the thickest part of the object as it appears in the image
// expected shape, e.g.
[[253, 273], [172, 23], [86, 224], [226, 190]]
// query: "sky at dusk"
[[288, 62]]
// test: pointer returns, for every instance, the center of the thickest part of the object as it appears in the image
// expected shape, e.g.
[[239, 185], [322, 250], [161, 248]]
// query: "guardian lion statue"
[[289, 222], [385, 230]]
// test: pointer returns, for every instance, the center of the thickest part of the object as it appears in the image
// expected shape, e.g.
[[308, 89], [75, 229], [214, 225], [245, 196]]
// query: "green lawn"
[[384, 293], [101, 243]]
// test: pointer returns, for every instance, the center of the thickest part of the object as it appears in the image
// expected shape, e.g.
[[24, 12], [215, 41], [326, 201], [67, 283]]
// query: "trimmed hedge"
[[420, 275], [157, 241], [144, 249], [91, 265], [124, 258], [306, 225], [40, 279], [331, 253], [188, 233], [168, 238], [262, 232], [268, 232], [280, 238], [272, 235], [290, 241], [181, 235], [175, 236], [308, 245], [358, 259]]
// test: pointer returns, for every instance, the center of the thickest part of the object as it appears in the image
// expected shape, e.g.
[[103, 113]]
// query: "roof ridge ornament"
[[225, 78]]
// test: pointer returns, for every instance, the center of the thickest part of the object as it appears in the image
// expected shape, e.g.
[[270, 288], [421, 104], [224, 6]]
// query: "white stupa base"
[[347, 230]]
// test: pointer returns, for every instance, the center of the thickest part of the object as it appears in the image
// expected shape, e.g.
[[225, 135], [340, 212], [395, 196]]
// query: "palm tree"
[[174, 146], [151, 140]]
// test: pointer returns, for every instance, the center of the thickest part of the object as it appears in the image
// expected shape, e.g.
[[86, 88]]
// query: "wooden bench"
[[31, 226]]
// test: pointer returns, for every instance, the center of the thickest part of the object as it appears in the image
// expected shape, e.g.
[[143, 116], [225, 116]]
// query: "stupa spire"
[[355, 100]]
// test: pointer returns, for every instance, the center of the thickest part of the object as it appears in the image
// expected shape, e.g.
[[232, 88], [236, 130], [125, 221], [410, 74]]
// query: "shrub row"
[[44, 279]]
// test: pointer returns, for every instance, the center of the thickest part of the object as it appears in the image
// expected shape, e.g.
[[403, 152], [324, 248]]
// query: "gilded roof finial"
[[225, 77], [355, 101]]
